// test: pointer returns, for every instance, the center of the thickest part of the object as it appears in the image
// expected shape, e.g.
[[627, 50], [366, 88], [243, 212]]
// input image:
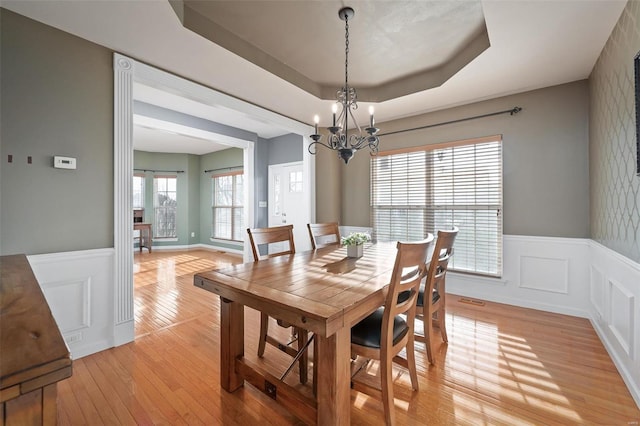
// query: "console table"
[[146, 236]]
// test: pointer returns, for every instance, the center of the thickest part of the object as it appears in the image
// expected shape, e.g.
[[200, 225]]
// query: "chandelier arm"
[[353, 118], [315, 150], [355, 142]]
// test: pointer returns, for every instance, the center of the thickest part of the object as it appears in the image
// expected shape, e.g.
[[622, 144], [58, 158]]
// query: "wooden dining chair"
[[323, 234], [279, 234], [435, 292], [383, 334]]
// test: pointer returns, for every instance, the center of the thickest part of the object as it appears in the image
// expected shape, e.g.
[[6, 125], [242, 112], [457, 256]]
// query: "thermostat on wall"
[[64, 162]]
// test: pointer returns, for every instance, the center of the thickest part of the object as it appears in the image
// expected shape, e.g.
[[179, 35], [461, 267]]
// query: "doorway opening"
[[127, 72]]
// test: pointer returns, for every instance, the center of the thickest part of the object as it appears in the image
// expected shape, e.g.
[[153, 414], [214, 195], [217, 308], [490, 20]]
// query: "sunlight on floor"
[[518, 375], [361, 400], [161, 287]]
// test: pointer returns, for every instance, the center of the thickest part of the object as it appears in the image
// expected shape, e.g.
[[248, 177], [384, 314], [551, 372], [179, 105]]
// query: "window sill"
[[160, 240]]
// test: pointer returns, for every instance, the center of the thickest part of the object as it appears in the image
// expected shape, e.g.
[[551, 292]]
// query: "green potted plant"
[[354, 243]]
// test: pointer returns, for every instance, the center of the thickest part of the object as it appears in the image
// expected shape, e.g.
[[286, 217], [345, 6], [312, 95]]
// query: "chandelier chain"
[[346, 53]]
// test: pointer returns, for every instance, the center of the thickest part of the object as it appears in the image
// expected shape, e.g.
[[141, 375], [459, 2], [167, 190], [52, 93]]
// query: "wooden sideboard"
[[34, 356]]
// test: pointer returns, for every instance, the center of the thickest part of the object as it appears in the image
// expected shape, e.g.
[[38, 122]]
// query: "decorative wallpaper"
[[615, 187]]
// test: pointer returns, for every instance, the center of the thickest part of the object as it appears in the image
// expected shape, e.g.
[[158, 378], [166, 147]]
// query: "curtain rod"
[[224, 168], [159, 171], [511, 111]]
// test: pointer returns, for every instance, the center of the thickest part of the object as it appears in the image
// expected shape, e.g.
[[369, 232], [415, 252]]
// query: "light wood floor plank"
[[503, 366]]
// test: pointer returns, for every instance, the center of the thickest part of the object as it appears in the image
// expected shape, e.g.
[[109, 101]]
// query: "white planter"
[[355, 251]]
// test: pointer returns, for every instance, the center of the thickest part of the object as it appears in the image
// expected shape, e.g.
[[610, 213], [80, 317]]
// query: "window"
[[295, 181], [138, 191], [227, 208], [165, 204], [421, 190]]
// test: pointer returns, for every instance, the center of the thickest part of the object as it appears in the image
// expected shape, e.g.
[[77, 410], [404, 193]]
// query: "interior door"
[[286, 202]]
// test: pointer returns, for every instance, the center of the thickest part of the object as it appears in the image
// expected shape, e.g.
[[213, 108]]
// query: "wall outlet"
[[73, 338], [193, 235]]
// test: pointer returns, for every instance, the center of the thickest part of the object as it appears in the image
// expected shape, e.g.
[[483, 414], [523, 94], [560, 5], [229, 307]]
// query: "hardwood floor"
[[503, 365]]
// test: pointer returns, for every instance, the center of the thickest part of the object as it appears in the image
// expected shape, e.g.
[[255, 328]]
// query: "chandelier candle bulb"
[[334, 109], [316, 120]]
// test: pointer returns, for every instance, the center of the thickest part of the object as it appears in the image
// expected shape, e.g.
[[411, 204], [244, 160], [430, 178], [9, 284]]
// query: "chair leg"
[[303, 337], [428, 333], [264, 328], [411, 362], [442, 323], [386, 371]]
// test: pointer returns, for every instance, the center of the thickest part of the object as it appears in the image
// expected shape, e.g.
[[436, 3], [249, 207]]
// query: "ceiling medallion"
[[340, 140]]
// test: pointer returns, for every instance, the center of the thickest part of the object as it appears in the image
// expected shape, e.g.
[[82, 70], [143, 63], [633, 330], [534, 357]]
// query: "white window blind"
[[422, 190], [227, 209], [138, 191]]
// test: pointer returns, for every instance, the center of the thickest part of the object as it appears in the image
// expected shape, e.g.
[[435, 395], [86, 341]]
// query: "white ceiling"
[[534, 44]]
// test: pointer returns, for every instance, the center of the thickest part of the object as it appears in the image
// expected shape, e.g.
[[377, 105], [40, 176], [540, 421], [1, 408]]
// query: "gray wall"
[[261, 178], [328, 185], [193, 184], [545, 159], [285, 149], [278, 150], [57, 99], [615, 187]]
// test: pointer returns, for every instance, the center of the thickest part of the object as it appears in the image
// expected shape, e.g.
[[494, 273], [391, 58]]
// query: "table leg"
[[231, 343], [334, 395]]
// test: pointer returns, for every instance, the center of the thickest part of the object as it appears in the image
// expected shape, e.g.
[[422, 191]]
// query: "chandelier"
[[340, 140]]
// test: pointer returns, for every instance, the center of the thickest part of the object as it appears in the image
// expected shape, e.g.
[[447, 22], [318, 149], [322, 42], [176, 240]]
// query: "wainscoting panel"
[[543, 273], [79, 289], [618, 324], [61, 295], [621, 315], [550, 274]]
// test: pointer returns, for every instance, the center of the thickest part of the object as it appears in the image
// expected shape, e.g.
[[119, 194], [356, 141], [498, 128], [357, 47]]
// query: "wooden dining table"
[[322, 291]]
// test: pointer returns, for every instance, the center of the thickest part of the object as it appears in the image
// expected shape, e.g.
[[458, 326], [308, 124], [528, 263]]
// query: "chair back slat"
[[323, 234], [276, 234], [439, 263], [409, 270]]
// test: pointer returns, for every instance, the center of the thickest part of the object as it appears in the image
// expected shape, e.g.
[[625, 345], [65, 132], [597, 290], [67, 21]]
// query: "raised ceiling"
[[534, 44], [395, 48]]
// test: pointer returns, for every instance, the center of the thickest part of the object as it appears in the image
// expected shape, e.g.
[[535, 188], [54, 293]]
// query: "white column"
[[123, 72]]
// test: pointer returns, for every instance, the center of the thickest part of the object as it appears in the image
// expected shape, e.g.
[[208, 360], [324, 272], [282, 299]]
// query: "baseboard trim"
[[199, 246]]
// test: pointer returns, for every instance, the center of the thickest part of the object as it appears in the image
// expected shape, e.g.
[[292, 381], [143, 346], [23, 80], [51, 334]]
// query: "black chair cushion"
[[420, 302], [367, 332], [434, 297]]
